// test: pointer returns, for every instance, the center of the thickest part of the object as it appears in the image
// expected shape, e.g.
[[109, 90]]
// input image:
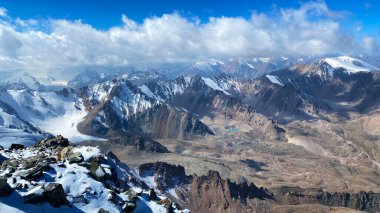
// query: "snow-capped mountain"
[[89, 77], [349, 65], [120, 106], [316, 88], [243, 69], [122, 103], [40, 113], [20, 80]]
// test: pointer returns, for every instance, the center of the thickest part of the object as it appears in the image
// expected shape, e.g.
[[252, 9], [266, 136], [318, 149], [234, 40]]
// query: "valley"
[[304, 134]]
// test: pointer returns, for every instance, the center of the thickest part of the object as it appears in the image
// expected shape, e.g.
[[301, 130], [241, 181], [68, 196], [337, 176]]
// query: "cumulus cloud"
[[45, 45]]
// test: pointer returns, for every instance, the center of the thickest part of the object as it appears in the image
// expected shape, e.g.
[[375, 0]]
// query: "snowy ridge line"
[[351, 65]]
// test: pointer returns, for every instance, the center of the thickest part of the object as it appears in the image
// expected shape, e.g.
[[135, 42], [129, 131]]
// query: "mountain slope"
[[314, 90]]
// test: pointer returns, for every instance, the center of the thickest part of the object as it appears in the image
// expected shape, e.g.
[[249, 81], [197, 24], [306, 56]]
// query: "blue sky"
[[48, 35], [105, 14]]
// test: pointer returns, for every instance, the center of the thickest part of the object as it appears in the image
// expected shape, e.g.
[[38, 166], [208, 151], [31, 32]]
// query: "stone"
[[35, 172], [19, 186], [31, 162], [62, 165], [79, 199], [55, 194], [53, 142], [16, 146], [101, 210], [5, 188], [97, 171], [10, 164], [132, 195], [128, 207], [1, 147], [64, 153], [35, 195], [152, 194], [75, 158]]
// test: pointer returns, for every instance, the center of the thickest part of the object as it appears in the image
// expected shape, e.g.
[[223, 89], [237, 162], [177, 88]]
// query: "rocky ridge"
[[212, 193], [54, 176]]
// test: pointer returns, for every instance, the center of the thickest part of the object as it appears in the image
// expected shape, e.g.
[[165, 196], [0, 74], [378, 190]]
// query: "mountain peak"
[[351, 65]]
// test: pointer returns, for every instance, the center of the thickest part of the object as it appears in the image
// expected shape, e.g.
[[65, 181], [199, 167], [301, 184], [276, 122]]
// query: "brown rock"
[[65, 153]]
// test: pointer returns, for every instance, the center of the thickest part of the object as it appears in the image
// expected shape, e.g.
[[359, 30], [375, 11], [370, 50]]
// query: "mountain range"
[[303, 130]]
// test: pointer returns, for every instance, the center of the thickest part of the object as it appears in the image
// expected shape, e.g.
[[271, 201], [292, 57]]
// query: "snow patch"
[[147, 91], [209, 82], [274, 79]]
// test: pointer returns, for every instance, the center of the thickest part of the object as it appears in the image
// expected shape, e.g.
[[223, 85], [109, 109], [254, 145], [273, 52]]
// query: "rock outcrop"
[[166, 175], [53, 142], [52, 173], [211, 193], [139, 143], [362, 201]]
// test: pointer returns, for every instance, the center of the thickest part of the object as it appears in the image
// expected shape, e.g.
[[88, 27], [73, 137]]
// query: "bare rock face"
[[206, 102], [211, 193], [165, 121], [362, 201], [167, 175], [310, 91], [138, 142], [126, 110]]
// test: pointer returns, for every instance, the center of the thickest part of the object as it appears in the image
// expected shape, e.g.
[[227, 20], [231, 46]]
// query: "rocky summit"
[[53, 176]]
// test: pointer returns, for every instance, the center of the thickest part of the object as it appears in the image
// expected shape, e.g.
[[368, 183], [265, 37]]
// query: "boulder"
[[31, 161], [53, 142], [80, 199], [16, 146], [55, 194], [128, 207], [132, 195], [75, 158], [35, 195], [10, 164], [152, 194], [5, 188], [35, 172], [97, 171], [65, 152], [30, 174]]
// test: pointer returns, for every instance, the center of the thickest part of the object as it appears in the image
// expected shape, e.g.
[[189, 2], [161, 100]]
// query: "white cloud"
[[3, 12], [312, 29]]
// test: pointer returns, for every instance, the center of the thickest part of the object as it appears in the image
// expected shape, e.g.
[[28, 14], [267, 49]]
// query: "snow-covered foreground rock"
[[53, 176]]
